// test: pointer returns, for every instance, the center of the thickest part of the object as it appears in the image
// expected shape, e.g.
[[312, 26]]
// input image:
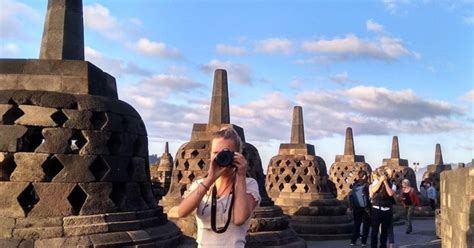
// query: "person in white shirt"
[[222, 202]]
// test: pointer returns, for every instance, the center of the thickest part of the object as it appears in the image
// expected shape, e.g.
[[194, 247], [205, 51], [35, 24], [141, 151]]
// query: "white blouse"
[[234, 236]]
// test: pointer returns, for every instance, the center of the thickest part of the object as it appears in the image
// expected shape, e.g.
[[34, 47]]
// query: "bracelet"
[[207, 188]]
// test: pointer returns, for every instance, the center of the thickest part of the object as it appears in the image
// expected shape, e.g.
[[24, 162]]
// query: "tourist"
[[223, 201], [382, 201], [423, 188], [409, 200], [432, 195], [359, 203]]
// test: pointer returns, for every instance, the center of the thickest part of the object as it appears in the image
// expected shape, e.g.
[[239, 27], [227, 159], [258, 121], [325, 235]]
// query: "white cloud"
[[13, 18], [230, 50], [150, 48], [8, 50], [98, 18], [351, 46], [373, 26], [341, 78], [115, 67], [274, 46], [235, 71], [469, 96], [394, 5]]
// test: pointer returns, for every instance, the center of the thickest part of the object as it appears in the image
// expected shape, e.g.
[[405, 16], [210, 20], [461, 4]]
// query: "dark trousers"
[[408, 213], [432, 204], [361, 216], [383, 218]]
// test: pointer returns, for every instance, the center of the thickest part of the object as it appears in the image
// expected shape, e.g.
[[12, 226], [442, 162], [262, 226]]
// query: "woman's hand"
[[214, 172], [240, 163]]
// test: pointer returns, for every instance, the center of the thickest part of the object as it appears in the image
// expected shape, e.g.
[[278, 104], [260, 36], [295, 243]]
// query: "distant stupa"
[[433, 171], [161, 173], [343, 172], [298, 182]]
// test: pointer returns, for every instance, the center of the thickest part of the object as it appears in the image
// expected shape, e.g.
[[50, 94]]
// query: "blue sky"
[[382, 67]]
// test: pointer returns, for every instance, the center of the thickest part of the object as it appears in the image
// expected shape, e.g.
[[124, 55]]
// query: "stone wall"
[[457, 208]]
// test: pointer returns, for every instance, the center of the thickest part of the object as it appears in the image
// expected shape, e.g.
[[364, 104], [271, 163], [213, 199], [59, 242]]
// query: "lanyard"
[[213, 210]]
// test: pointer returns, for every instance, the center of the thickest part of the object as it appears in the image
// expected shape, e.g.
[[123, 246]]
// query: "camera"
[[224, 158]]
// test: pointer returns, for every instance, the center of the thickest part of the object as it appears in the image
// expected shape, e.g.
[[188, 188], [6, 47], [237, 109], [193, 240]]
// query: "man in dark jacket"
[[360, 205]]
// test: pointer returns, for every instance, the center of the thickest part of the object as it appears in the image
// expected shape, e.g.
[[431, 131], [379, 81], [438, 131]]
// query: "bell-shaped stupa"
[[268, 227], [343, 172], [298, 182], [401, 171], [160, 173], [74, 158], [433, 171]]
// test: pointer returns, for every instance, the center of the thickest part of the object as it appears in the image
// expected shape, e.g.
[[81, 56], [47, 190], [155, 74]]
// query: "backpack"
[[359, 196]]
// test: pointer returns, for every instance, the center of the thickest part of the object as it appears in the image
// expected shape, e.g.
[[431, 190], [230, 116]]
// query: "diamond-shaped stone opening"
[[11, 115], [282, 170], [191, 177], [186, 165], [201, 164], [306, 170], [182, 190], [76, 142], [180, 175], [346, 168], [298, 163], [270, 186], [183, 154], [306, 188], [7, 166], [59, 117], [77, 199], [311, 180], [31, 140], [117, 194], [340, 186], [114, 143], [293, 170], [52, 167], [342, 174], [99, 168], [293, 188], [277, 178], [287, 178], [299, 179], [28, 198], [98, 120], [281, 187], [287, 162], [278, 162], [194, 154]]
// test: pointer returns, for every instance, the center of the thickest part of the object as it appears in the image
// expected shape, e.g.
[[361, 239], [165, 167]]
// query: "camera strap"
[[214, 208]]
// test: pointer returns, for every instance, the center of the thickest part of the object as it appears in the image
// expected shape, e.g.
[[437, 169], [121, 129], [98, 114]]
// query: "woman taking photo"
[[223, 201], [409, 200]]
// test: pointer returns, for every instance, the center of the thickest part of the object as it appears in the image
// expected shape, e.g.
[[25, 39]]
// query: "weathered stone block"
[[84, 220], [56, 141], [29, 167], [10, 136], [78, 119], [37, 232], [111, 239], [39, 222], [86, 229], [57, 100], [96, 143], [9, 205], [76, 168], [98, 200], [52, 194], [36, 116]]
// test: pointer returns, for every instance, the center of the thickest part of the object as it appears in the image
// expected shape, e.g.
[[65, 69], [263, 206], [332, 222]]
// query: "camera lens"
[[224, 158]]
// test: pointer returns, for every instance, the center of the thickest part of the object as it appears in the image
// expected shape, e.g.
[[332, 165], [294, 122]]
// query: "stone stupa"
[[73, 157], [433, 171], [401, 171], [160, 173], [298, 182], [343, 172], [268, 226]]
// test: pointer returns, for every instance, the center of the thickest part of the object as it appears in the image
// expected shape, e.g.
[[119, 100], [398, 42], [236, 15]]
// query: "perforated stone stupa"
[[161, 173], [344, 170], [433, 171], [298, 182], [269, 227], [73, 157], [401, 171]]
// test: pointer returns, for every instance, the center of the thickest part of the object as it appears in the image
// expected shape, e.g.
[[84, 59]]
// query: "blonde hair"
[[406, 182], [230, 134]]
